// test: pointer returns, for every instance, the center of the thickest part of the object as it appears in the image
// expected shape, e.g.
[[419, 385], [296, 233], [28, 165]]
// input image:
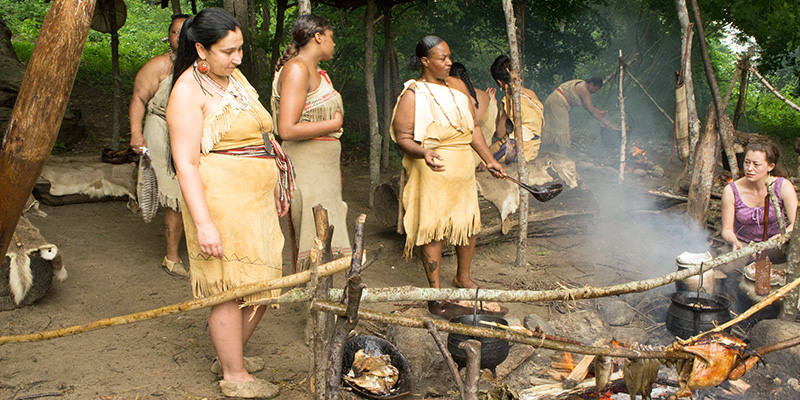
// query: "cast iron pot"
[[493, 351], [685, 319], [376, 346], [610, 137]]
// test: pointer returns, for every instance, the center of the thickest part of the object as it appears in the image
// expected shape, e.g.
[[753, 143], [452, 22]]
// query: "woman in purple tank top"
[[743, 199]]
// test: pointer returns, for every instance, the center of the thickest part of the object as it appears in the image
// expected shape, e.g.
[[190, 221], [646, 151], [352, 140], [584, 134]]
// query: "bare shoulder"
[[294, 69], [186, 88], [160, 65]]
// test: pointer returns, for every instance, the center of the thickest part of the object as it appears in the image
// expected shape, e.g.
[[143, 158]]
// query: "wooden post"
[[352, 298], [623, 142], [775, 92], [240, 10], [725, 130], [686, 45], [41, 102], [322, 323], [388, 89], [472, 349], [112, 20], [744, 67], [515, 98], [789, 309], [451, 365], [372, 103], [303, 7], [176, 7]]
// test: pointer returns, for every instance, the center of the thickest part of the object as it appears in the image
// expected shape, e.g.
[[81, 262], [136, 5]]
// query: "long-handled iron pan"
[[539, 193]]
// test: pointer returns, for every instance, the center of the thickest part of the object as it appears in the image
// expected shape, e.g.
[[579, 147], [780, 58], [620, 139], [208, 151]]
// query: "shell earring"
[[202, 66]]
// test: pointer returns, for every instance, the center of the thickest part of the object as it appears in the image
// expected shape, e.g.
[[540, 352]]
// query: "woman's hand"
[[137, 142], [430, 157], [491, 91], [281, 206], [338, 119], [497, 170], [209, 240]]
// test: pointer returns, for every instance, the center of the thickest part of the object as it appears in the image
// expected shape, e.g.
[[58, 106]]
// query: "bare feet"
[[464, 283]]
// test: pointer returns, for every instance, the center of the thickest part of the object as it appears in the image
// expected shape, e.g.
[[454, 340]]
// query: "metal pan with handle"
[[539, 193]]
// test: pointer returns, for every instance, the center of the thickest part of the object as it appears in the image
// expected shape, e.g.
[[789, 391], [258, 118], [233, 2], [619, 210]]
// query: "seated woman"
[[485, 106], [743, 206], [532, 117]]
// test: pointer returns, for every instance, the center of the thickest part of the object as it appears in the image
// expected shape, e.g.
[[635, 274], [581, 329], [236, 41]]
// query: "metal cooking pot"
[[493, 351], [693, 312]]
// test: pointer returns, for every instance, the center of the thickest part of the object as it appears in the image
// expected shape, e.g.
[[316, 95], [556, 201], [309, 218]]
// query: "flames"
[[638, 152]]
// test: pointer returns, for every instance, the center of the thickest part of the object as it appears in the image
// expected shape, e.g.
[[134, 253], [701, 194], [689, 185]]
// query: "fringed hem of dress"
[[447, 229], [206, 289]]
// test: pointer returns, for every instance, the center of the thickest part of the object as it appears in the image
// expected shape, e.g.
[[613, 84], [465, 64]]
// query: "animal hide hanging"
[[27, 240]]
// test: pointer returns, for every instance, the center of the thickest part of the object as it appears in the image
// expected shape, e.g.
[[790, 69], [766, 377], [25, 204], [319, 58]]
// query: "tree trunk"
[[744, 67], [40, 105], [280, 17], [388, 91], [372, 103], [725, 130], [240, 10], [515, 89], [519, 14], [115, 74], [705, 160], [303, 7], [623, 143], [176, 7], [686, 44], [789, 309]]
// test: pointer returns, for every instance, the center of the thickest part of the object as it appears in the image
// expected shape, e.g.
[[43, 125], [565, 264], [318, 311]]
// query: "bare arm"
[[403, 125], [789, 197], [145, 86], [728, 215], [294, 85], [586, 99], [185, 123]]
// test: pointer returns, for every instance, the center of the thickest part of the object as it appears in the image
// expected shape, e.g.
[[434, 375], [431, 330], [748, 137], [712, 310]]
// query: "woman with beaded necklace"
[[228, 168], [434, 124], [308, 113]]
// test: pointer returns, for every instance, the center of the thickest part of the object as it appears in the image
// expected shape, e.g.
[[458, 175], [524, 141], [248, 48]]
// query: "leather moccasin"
[[251, 364], [257, 389], [174, 268]]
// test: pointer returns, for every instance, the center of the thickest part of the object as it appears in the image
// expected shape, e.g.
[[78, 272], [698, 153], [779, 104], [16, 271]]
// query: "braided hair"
[[304, 28], [459, 71]]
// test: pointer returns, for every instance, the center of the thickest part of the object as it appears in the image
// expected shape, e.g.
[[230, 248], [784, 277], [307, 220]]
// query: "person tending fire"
[[558, 105]]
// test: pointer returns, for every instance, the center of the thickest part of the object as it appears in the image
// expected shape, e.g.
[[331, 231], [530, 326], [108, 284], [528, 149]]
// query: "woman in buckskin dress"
[[308, 113], [229, 179]]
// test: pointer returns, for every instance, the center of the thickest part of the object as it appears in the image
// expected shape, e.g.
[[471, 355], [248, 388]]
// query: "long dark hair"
[[459, 71], [423, 47], [209, 26], [304, 28], [500, 68]]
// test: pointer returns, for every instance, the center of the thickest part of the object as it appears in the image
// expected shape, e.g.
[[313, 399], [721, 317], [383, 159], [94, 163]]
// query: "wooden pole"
[[451, 365], [650, 97], [623, 142], [41, 102], [344, 325], [280, 283], [515, 98], [741, 102], [321, 323], [775, 92], [688, 81], [789, 309], [725, 132], [112, 20], [176, 7], [372, 102], [388, 92], [472, 349]]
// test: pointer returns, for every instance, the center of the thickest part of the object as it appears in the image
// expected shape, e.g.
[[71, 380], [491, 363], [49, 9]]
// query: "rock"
[[638, 172], [428, 367], [533, 321], [584, 326], [616, 312], [771, 331], [606, 170], [657, 172], [629, 335], [794, 384]]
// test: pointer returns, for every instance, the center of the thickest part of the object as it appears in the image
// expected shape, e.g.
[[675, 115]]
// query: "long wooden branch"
[[328, 269], [451, 365], [409, 293], [511, 336], [775, 92], [650, 97], [776, 207]]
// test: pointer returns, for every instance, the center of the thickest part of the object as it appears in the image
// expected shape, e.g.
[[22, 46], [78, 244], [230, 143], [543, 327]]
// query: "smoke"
[[633, 233]]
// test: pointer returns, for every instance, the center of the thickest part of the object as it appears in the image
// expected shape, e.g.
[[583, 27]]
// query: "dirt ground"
[[113, 260]]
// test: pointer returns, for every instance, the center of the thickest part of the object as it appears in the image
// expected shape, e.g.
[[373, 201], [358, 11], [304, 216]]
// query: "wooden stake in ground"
[[623, 142], [515, 99], [472, 349], [451, 365], [688, 81], [789, 309], [41, 102], [321, 323], [345, 325], [372, 102]]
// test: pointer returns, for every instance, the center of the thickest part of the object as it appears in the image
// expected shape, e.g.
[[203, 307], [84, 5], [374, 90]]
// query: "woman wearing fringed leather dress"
[[229, 172], [308, 112], [434, 124]]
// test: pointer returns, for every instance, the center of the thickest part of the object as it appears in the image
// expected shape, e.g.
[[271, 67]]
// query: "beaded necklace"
[[461, 118], [235, 91]]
